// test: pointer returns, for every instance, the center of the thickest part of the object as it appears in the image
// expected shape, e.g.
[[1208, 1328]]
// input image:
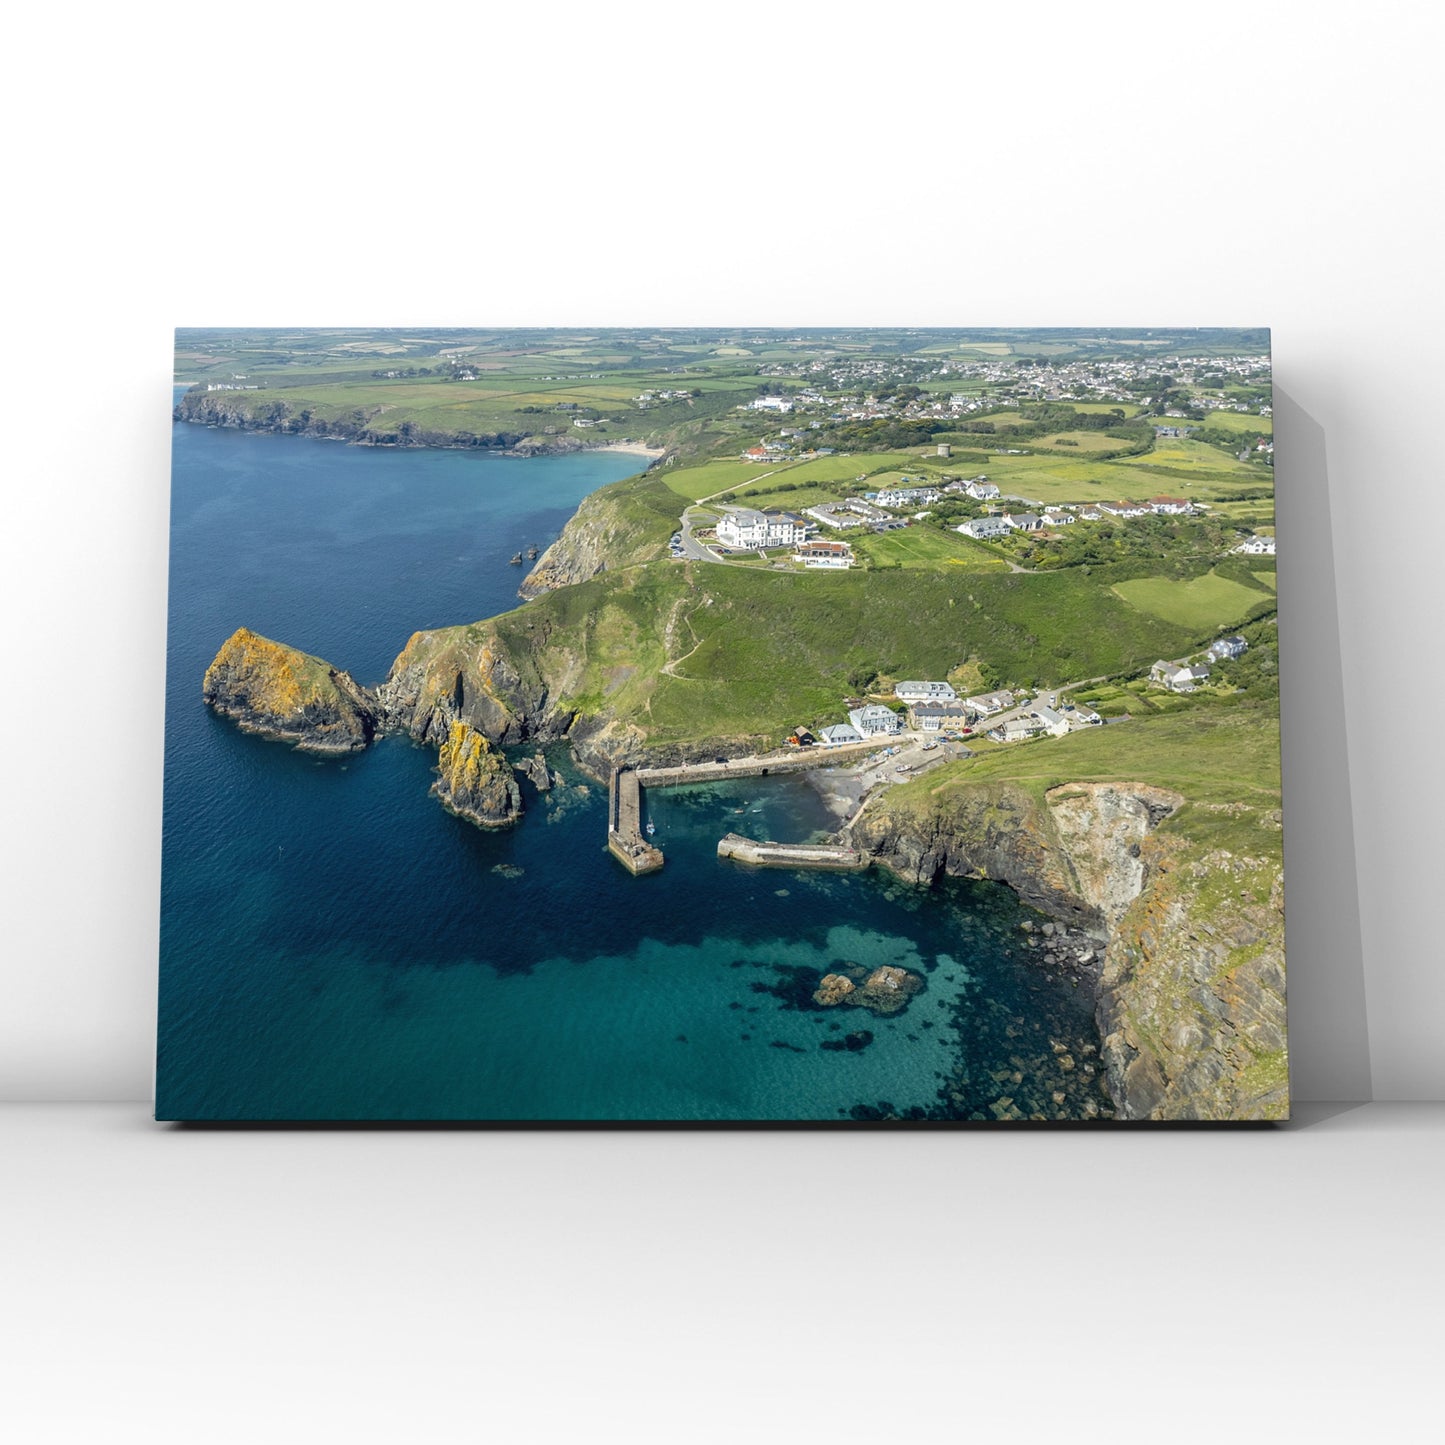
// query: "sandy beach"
[[636, 449]]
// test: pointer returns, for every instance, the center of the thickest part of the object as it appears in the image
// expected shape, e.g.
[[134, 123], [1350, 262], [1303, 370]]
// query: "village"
[[791, 540]]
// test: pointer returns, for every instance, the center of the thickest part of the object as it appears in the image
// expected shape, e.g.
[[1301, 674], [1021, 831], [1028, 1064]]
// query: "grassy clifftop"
[[688, 651], [1168, 831]]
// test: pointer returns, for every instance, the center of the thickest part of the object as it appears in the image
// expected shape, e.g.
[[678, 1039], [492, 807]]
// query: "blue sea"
[[336, 946]]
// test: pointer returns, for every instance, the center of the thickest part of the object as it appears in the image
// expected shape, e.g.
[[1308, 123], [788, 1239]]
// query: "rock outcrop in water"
[[885, 991], [267, 688], [475, 782], [1190, 998]]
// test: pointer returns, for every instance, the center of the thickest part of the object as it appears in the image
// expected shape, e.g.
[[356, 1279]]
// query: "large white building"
[[981, 527], [925, 692], [907, 496], [747, 527], [875, 720]]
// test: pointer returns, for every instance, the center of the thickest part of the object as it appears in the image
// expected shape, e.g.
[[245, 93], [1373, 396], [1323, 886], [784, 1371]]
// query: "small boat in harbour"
[[651, 826], [532, 553], [516, 561]]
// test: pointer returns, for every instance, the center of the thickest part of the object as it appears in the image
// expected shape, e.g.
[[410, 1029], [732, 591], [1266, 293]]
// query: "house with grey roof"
[[840, 733], [1228, 647], [984, 527], [989, 703], [1051, 722], [1178, 676], [875, 720], [924, 692], [933, 717]]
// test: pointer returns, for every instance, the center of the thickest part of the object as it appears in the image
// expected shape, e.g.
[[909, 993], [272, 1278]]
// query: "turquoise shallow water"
[[335, 946]]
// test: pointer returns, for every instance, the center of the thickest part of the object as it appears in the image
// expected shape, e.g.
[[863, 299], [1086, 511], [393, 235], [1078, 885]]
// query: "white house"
[[1257, 547], [824, 554], [1083, 717], [747, 527], [830, 514], [840, 733], [1056, 517], [1053, 723], [982, 490], [1170, 506], [924, 692], [1228, 647], [1178, 676], [907, 496], [989, 703], [1023, 521], [982, 527], [1015, 729], [773, 403], [875, 720]]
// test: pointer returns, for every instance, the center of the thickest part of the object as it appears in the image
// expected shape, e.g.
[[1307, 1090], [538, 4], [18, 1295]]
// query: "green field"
[[1224, 758], [1202, 603], [694, 483], [1081, 441], [1187, 455], [1248, 424], [924, 547]]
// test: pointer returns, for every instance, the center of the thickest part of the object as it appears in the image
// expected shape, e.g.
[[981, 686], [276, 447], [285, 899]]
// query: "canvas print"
[[722, 724]]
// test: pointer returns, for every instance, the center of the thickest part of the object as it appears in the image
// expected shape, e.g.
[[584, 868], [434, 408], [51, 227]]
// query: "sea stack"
[[476, 782], [267, 688]]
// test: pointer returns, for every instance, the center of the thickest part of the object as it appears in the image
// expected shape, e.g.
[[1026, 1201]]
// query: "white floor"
[[171, 1284]]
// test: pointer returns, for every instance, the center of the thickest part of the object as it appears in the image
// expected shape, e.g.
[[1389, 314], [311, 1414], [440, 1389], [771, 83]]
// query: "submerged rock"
[[834, 989], [885, 991], [267, 688], [475, 781]]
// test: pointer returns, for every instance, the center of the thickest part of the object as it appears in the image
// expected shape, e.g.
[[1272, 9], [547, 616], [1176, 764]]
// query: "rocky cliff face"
[[466, 674], [601, 534], [278, 692], [475, 782], [1192, 999], [1191, 1007]]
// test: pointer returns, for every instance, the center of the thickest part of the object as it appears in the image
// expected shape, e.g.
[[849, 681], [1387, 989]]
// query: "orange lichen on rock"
[[279, 692]]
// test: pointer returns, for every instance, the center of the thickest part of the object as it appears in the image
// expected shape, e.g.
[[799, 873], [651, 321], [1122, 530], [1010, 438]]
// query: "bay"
[[335, 946]]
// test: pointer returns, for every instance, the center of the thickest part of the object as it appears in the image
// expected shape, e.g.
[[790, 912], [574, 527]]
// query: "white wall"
[[1109, 164]]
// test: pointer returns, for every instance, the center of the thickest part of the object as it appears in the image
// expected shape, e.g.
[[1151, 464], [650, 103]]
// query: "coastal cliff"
[[467, 674], [475, 782], [268, 410], [609, 530], [1190, 1000], [278, 692]]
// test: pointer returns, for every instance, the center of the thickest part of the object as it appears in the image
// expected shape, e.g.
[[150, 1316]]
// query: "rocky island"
[[268, 688]]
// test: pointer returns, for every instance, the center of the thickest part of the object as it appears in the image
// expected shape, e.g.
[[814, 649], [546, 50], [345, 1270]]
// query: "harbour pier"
[[625, 838], [790, 855], [629, 844]]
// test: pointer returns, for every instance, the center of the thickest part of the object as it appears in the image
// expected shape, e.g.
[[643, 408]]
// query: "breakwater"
[[625, 838], [757, 767], [630, 846], [790, 855]]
